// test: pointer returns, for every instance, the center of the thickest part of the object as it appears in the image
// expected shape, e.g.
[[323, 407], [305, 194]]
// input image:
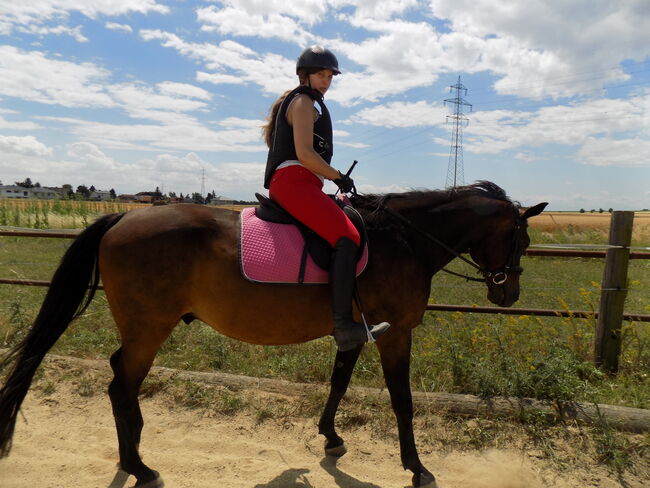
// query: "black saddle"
[[315, 246]]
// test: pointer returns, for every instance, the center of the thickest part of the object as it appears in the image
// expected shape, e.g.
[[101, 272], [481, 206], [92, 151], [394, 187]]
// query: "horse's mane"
[[370, 205]]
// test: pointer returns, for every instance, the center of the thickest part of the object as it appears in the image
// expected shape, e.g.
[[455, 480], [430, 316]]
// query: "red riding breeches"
[[300, 192]]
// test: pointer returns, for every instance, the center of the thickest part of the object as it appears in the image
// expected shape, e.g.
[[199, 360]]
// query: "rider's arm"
[[300, 116]]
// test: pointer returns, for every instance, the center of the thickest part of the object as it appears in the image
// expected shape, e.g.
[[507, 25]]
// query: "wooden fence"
[[613, 289]]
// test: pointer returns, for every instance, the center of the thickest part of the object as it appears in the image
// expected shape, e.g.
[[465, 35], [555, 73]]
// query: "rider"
[[299, 136]]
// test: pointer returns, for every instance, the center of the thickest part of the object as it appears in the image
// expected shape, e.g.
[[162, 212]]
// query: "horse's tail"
[[76, 278]]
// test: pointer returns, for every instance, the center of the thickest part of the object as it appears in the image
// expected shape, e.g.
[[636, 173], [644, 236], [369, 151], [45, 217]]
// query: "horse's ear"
[[532, 211]]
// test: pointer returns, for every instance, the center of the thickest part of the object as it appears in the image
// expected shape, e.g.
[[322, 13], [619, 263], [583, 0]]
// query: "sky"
[[136, 95]]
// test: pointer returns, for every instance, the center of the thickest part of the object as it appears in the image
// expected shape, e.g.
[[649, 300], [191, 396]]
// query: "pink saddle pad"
[[271, 253]]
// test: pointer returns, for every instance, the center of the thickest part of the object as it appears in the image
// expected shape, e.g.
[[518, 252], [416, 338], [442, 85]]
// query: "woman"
[[300, 150]]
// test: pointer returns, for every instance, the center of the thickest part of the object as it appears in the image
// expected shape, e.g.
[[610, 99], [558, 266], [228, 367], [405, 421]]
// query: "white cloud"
[[143, 102], [401, 114], [74, 32], [239, 22], [185, 172], [306, 11], [183, 90], [26, 145], [374, 10], [615, 152], [35, 13], [20, 125], [239, 123], [272, 72], [118, 27], [219, 79], [588, 41], [32, 76], [491, 132], [174, 132]]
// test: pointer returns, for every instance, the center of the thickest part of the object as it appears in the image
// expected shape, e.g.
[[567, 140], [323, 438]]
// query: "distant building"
[[101, 195], [148, 196], [42, 193]]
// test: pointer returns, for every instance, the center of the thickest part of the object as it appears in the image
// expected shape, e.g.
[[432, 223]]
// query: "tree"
[[92, 188], [197, 198], [113, 194], [172, 194], [67, 191], [83, 191], [37, 185], [27, 183], [582, 210]]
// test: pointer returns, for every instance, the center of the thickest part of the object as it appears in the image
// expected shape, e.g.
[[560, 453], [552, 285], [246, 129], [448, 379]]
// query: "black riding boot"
[[348, 333]]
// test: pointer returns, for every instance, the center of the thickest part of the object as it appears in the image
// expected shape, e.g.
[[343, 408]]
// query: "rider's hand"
[[344, 182]]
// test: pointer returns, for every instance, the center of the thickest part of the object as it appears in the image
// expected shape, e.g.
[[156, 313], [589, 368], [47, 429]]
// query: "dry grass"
[[593, 228]]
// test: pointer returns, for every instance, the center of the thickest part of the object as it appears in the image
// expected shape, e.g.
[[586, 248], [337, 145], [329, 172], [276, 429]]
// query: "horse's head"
[[499, 249]]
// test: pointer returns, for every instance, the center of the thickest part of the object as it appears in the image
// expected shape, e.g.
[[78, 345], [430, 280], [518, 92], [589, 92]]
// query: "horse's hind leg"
[[130, 364], [343, 367]]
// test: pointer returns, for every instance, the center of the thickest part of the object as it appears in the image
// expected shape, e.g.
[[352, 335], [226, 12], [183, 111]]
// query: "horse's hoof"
[[424, 479], [337, 451], [155, 483]]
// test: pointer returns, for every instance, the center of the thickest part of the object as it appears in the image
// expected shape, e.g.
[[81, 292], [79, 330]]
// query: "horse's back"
[[154, 254]]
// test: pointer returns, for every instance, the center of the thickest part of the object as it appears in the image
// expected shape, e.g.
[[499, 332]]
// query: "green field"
[[454, 352]]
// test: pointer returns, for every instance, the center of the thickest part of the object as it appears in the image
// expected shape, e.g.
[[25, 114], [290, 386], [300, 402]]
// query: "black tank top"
[[282, 146]]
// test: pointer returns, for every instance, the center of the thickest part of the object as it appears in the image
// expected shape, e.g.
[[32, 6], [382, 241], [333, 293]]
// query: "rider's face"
[[321, 80]]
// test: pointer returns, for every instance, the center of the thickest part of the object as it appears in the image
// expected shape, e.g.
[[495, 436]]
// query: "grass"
[[517, 355]]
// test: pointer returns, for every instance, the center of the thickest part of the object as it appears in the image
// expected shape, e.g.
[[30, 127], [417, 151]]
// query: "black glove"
[[345, 183]]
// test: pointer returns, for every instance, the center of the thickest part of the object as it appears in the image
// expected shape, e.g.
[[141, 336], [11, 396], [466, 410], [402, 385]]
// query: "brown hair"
[[269, 127]]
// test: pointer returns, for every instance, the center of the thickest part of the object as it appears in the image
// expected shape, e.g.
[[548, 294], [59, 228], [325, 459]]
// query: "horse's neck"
[[456, 227]]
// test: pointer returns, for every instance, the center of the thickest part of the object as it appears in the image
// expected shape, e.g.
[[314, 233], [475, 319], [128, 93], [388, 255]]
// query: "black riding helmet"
[[318, 57]]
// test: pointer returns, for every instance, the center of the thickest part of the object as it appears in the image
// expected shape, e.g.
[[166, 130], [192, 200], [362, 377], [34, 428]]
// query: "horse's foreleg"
[[130, 364], [395, 351], [343, 367]]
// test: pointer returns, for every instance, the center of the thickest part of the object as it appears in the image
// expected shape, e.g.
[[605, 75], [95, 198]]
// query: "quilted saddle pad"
[[271, 253]]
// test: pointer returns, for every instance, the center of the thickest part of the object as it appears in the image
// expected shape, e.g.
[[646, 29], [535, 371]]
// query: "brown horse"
[[163, 264]]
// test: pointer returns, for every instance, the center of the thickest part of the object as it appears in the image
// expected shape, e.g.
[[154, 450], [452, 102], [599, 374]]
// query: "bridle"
[[498, 276]]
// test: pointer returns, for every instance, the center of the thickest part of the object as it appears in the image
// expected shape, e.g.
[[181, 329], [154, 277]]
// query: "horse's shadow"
[[343, 480], [295, 478], [291, 478]]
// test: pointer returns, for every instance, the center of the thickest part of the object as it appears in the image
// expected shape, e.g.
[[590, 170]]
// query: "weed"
[[86, 386]]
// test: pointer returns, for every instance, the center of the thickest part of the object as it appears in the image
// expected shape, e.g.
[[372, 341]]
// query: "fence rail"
[[616, 253]]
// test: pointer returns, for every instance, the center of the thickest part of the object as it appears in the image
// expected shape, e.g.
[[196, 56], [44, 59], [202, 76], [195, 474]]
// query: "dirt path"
[[68, 440]]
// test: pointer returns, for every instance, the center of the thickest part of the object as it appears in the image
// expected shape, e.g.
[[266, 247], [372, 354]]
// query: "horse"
[[163, 264]]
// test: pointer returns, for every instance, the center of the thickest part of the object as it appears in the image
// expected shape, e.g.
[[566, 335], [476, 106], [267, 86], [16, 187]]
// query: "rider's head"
[[314, 59], [316, 66]]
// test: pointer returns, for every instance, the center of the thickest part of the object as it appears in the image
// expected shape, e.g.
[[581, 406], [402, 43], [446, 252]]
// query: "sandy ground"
[[64, 439]]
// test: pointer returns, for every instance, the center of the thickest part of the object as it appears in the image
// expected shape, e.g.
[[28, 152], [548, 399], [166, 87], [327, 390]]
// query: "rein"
[[498, 277]]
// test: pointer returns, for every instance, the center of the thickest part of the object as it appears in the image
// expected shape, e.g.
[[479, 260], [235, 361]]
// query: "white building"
[[43, 193], [101, 195]]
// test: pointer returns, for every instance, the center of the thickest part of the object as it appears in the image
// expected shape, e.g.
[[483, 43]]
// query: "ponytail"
[[269, 127]]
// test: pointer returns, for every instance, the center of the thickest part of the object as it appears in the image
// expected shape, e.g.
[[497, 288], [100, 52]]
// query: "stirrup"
[[371, 338]]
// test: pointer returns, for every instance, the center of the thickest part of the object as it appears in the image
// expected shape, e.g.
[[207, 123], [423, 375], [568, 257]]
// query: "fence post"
[[613, 292]]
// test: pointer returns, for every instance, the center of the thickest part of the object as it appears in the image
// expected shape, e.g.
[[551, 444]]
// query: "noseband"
[[498, 276]]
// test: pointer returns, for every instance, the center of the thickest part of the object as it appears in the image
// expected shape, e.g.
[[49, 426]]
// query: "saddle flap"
[[272, 212]]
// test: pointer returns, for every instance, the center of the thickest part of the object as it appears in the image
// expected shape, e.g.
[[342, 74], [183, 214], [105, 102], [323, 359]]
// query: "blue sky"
[[139, 94]]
